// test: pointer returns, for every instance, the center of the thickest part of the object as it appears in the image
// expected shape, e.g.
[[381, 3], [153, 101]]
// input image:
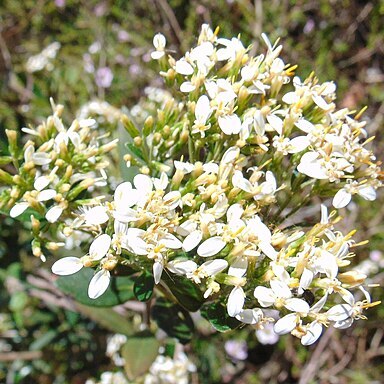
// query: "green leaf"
[[135, 151], [174, 320], [119, 291], [107, 318], [216, 314], [187, 293], [143, 288], [139, 352]]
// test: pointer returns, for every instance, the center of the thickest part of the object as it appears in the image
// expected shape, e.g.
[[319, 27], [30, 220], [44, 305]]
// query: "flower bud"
[[148, 125], [138, 141], [129, 126]]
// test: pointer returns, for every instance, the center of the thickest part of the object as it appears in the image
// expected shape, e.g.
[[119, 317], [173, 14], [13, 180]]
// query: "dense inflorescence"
[[233, 154]]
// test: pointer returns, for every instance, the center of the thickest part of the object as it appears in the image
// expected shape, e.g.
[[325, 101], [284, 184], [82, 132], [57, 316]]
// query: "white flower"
[[70, 265], [267, 335], [202, 113], [250, 316], [311, 165], [230, 124], [280, 294], [183, 67], [159, 42], [344, 195], [95, 215], [312, 332]]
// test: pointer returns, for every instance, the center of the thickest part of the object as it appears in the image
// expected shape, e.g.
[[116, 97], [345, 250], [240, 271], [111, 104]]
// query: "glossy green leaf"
[[119, 291], [139, 352], [174, 320], [143, 288], [216, 314], [187, 293]]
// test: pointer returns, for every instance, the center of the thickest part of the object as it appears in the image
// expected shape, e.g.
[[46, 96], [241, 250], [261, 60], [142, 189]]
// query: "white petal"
[[339, 312], [367, 192], [159, 41], [143, 183], [157, 271], [18, 209], [156, 55], [305, 280], [67, 266], [299, 143], [202, 109], [234, 212], [280, 289], [54, 213], [138, 245], [313, 333], [297, 305], [268, 250], [290, 98], [341, 199], [264, 296], [320, 102], [239, 267], [100, 247], [171, 241], [324, 214], [239, 181], [235, 301], [125, 196], [41, 158], [250, 316], [343, 324], [187, 87], [192, 240], [41, 183], [172, 199], [183, 67], [46, 195], [96, 216], [305, 125], [212, 267], [99, 284], [276, 123], [230, 124], [211, 246], [230, 155], [286, 324], [182, 267], [319, 305], [310, 166]]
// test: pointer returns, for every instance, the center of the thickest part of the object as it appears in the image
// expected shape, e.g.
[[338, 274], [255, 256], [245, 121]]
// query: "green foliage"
[[76, 285], [216, 314], [143, 287], [139, 352], [173, 320], [187, 294]]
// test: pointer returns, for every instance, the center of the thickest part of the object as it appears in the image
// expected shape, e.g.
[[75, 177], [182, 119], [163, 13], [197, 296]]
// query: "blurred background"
[[93, 57]]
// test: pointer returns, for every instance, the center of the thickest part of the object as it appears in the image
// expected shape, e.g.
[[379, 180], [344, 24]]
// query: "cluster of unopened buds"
[[246, 146]]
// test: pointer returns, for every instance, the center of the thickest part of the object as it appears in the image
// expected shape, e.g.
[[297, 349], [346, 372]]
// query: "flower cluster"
[[53, 173], [242, 146], [43, 60]]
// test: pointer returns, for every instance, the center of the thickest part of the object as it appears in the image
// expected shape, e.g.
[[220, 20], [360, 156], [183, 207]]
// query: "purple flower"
[[104, 77], [236, 349], [60, 3]]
